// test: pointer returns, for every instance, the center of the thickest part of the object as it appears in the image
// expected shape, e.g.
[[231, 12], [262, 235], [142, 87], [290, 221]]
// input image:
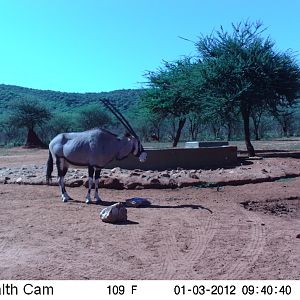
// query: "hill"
[[63, 100]]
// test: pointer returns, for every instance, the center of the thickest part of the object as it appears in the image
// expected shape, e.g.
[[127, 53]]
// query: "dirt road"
[[233, 232]]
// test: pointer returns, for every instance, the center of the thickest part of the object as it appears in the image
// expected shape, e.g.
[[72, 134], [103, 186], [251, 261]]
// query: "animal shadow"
[[192, 206], [109, 203]]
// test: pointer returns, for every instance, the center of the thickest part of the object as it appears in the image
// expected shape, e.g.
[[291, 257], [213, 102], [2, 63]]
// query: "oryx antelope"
[[93, 149]]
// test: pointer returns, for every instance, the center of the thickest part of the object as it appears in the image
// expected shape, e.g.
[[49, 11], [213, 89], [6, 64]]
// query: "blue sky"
[[103, 45]]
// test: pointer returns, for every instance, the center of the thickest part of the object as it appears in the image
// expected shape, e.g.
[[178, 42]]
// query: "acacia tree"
[[219, 112], [148, 124], [243, 70], [92, 116], [59, 122], [172, 92], [285, 118], [29, 113], [256, 115], [195, 121]]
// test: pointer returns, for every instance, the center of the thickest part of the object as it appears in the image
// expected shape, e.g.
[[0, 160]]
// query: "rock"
[[165, 175], [76, 183], [19, 180], [114, 213], [193, 175], [154, 181], [133, 185], [176, 175], [172, 183], [134, 174], [138, 202], [139, 187], [113, 183]]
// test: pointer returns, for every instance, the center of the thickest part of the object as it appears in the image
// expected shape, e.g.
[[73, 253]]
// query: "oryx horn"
[[119, 116]]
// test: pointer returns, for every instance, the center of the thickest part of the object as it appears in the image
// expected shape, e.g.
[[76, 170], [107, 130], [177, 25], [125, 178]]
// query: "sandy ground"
[[233, 232]]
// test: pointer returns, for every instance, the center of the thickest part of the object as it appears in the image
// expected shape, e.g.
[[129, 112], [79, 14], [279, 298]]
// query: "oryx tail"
[[49, 168]]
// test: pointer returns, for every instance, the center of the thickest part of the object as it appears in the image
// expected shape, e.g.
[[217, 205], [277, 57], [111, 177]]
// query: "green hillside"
[[68, 111], [62, 100], [81, 111]]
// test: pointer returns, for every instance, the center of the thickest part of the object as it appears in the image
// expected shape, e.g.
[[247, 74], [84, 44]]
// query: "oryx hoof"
[[65, 199], [88, 200], [97, 201]]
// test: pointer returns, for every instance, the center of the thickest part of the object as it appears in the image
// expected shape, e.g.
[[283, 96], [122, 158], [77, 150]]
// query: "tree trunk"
[[246, 119], [229, 131], [193, 133], [194, 127], [255, 128], [33, 141], [256, 134], [216, 129], [178, 132], [285, 129], [256, 118], [256, 122]]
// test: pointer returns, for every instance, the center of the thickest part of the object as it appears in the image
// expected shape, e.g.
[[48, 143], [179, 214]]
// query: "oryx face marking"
[[138, 150]]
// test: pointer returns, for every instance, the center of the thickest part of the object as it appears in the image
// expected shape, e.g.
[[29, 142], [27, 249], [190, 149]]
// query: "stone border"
[[118, 178]]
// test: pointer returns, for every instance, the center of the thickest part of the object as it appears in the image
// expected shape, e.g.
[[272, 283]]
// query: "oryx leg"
[[62, 168], [91, 176], [97, 176]]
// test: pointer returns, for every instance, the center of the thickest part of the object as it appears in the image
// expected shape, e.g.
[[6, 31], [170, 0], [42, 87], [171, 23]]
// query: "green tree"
[[243, 70], [256, 115], [285, 119], [195, 121], [28, 113], [92, 116], [172, 92], [147, 123], [60, 122]]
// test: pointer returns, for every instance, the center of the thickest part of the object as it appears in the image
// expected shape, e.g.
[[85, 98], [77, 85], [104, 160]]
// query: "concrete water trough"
[[197, 144], [186, 158]]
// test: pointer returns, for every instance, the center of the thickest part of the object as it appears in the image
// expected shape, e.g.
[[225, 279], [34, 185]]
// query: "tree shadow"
[[192, 206], [109, 203]]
